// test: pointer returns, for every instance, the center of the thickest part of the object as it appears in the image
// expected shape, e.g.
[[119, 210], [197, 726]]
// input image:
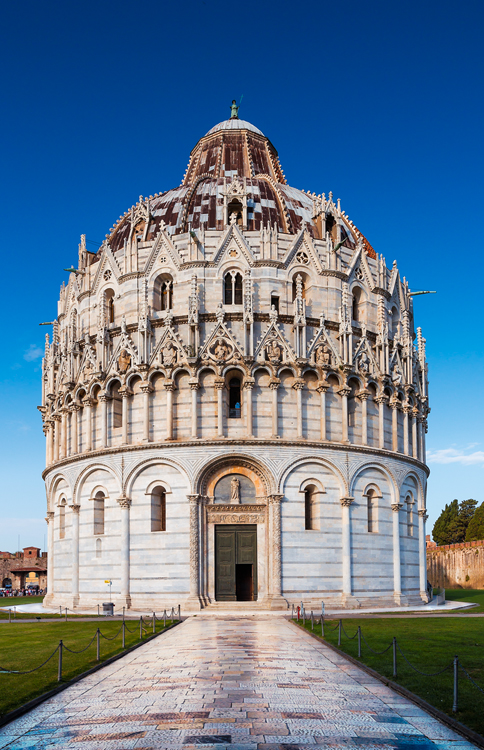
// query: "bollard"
[[455, 704], [98, 645], [312, 620], [298, 613], [123, 613], [124, 640], [322, 627], [394, 656], [164, 618], [359, 642], [322, 609], [304, 617], [141, 627], [98, 610], [59, 671], [60, 611], [179, 612], [292, 612], [172, 614], [66, 614], [340, 625], [154, 623]]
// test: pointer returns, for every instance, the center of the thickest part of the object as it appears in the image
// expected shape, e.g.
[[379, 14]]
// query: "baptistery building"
[[234, 400]]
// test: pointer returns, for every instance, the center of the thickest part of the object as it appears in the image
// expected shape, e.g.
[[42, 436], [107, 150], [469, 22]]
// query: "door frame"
[[255, 572]]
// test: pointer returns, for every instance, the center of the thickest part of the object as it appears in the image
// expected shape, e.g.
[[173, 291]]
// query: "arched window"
[[158, 509], [235, 213], [99, 548], [163, 293], [109, 301], [234, 398], [371, 509], [310, 507], [410, 526], [233, 288], [116, 407], [62, 520], [99, 513], [356, 306]]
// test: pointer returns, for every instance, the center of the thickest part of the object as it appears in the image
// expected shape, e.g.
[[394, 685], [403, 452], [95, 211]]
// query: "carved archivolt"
[[210, 475]]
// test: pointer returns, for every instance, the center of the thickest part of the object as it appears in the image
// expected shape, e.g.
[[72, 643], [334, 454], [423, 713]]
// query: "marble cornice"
[[240, 444]]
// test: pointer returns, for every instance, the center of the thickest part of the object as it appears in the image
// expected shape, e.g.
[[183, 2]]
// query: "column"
[[275, 511], [363, 395], [194, 597], [423, 432], [422, 554], [146, 389], [103, 398], [381, 401], [169, 387], [87, 405], [194, 386], [397, 579], [394, 407], [64, 413], [57, 428], [50, 440], [125, 393], [407, 409], [47, 430], [298, 386], [346, 545], [419, 437], [75, 408], [219, 387], [248, 386], [75, 553], [50, 552], [124, 504], [274, 385], [322, 388], [344, 392], [414, 432]]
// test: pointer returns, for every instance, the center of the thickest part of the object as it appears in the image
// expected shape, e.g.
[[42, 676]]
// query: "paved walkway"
[[237, 683]]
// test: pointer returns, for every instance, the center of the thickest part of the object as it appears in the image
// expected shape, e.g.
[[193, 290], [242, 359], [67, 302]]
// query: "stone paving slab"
[[234, 683]]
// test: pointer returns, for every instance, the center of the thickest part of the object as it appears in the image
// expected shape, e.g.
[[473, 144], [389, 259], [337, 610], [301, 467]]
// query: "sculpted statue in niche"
[[221, 351], [234, 490], [170, 353], [396, 376], [364, 362], [323, 355], [124, 361], [274, 351]]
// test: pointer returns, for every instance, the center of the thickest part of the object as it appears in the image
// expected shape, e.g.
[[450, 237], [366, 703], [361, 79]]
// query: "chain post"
[[124, 638], [292, 612], [141, 627], [98, 610], [154, 622], [322, 626], [60, 610], [98, 645], [455, 704], [59, 670], [340, 626], [123, 613], [179, 613], [66, 614], [359, 642], [394, 656], [312, 620], [164, 618]]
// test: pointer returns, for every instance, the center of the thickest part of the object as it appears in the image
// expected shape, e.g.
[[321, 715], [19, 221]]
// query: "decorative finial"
[[234, 110]]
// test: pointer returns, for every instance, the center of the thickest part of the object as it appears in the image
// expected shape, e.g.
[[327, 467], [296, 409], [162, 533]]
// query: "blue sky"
[[379, 102]]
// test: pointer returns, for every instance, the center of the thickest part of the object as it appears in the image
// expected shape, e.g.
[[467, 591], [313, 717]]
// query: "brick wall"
[[457, 565]]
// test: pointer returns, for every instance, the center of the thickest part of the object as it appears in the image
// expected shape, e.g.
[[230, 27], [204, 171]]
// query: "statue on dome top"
[[234, 110]]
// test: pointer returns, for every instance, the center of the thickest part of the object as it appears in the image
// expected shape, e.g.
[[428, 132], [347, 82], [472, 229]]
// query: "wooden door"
[[235, 563]]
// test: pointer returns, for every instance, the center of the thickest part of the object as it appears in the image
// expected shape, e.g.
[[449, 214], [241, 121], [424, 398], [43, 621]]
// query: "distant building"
[[429, 543], [235, 400], [20, 570]]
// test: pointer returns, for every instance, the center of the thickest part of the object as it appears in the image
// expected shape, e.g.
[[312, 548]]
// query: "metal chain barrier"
[[114, 636], [14, 671], [378, 653], [346, 634], [470, 678], [425, 674], [82, 650]]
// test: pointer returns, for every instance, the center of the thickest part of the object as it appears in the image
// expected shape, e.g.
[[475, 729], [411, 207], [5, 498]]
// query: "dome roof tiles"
[[234, 124]]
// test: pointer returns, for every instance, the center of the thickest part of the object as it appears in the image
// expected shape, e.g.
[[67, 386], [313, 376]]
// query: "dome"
[[233, 157], [234, 124]]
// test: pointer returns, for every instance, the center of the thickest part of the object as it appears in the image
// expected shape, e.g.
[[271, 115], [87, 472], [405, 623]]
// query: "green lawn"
[[12, 601], [24, 646], [429, 645], [468, 596]]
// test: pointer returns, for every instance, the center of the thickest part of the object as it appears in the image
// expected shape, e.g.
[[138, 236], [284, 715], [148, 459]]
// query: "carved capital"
[[103, 397], [57, 418], [124, 391], [194, 384], [219, 383], [248, 384], [381, 399], [124, 502], [346, 501], [275, 499], [193, 499], [75, 509], [274, 383], [50, 515], [169, 385], [363, 395], [75, 407], [396, 507], [146, 388], [298, 384], [323, 386], [344, 390], [423, 513], [88, 401]]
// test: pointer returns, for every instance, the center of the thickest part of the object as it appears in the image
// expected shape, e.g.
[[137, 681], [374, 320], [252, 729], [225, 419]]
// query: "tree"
[[475, 530], [451, 526]]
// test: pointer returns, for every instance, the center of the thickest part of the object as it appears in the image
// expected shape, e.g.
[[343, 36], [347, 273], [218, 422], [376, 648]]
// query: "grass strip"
[[429, 645], [27, 645], [470, 596]]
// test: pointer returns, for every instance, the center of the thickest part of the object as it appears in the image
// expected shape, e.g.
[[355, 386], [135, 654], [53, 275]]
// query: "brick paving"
[[232, 683]]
